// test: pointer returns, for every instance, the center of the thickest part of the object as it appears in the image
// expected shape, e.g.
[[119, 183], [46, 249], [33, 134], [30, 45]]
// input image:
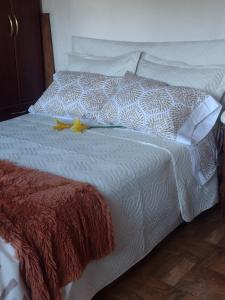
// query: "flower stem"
[[90, 127]]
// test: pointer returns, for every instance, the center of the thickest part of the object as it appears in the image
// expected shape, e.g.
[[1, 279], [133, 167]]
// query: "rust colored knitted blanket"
[[56, 225]]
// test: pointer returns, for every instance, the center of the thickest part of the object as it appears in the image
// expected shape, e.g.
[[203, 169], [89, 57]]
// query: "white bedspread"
[[148, 182]]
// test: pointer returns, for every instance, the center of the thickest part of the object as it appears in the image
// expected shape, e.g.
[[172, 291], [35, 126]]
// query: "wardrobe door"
[[8, 75], [27, 22]]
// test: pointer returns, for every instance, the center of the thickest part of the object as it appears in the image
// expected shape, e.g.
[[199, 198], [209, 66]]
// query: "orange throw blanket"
[[56, 225]]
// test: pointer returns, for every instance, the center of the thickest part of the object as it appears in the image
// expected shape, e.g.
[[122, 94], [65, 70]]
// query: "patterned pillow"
[[76, 95], [178, 113], [130, 90], [130, 77]]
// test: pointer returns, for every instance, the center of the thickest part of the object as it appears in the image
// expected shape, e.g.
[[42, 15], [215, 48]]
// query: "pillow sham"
[[182, 114], [76, 95], [208, 79], [146, 82], [129, 90], [115, 66]]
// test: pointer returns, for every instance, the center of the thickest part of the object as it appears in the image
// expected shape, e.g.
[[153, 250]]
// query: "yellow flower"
[[77, 126], [61, 125]]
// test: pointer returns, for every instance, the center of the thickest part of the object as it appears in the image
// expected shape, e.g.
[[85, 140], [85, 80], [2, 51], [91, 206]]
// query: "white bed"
[[148, 183]]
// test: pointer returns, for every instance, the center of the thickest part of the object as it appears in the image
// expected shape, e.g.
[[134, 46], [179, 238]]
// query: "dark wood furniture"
[[21, 56], [49, 67]]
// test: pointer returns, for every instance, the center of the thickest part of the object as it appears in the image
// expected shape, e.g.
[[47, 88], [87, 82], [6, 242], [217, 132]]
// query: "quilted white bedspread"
[[148, 182]]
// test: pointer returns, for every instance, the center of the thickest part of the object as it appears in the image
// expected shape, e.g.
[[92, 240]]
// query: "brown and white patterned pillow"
[[130, 90], [178, 113], [76, 94]]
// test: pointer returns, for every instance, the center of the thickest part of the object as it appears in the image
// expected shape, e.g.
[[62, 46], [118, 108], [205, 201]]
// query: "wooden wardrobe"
[[21, 59]]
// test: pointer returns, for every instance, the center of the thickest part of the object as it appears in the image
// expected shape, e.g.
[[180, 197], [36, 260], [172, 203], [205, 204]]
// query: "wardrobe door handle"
[[11, 26], [17, 24]]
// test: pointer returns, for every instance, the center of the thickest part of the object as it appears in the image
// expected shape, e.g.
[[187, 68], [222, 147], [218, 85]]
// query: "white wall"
[[135, 20]]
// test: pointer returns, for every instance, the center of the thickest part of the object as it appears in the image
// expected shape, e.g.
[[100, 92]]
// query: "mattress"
[[148, 183]]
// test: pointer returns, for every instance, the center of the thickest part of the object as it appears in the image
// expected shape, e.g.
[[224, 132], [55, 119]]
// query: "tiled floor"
[[188, 265]]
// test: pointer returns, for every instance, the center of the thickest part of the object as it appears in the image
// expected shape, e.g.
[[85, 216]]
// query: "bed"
[[149, 183]]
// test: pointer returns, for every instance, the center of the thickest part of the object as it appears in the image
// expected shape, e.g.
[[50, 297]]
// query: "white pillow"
[[177, 63], [110, 66], [208, 79]]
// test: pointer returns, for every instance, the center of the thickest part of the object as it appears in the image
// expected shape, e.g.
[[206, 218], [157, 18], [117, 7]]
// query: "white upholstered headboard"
[[196, 53]]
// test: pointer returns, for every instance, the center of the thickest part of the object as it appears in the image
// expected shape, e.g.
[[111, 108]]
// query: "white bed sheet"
[[148, 183]]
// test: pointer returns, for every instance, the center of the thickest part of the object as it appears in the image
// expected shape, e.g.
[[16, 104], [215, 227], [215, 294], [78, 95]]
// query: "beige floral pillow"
[[76, 94], [178, 113]]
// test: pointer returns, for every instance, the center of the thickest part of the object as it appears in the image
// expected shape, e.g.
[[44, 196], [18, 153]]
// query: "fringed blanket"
[[56, 226]]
